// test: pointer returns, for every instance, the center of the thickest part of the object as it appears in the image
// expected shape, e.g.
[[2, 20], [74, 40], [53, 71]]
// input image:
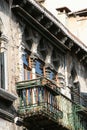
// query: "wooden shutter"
[[2, 71], [75, 92], [84, 99]]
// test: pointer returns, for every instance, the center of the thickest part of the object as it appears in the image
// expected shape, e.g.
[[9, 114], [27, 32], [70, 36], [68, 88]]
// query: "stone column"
[[35, 38], [47, 72], [33, 63], [61, 78]]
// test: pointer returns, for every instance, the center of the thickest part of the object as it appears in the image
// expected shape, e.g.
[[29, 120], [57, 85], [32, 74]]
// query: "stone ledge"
[[6, 115], [7, 96]]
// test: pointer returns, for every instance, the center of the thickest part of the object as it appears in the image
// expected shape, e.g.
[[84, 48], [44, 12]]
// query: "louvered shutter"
[[75, 91], [2, 71], [84, 99]]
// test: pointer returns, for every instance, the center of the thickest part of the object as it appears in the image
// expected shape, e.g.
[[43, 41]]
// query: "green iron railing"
[[81, 115], [81, 109], [78, 117]]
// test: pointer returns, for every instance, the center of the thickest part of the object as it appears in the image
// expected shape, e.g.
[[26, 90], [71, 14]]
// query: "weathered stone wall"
[[11, 30], [5, 125]]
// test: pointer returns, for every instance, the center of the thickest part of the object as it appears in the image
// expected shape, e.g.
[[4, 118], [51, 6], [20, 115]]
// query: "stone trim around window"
[[7, 96]]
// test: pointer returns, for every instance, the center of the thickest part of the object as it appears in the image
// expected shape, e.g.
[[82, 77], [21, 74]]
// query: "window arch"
[[75, 89], [27, 37], [42, 49], [74, 75], [55, 59]]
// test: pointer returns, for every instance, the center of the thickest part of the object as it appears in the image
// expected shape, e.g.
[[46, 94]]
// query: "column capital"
[[3, 41]]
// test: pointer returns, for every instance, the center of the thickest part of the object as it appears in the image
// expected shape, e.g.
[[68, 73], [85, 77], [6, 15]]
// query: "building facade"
[[43, 78]]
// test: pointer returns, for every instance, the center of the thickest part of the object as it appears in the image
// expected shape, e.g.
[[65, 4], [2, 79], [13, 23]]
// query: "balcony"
[[43, 106], [38, 104], [41, 115], [78, 117]]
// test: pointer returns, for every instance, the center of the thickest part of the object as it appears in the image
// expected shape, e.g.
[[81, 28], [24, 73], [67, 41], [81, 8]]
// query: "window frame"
[[27, 68]]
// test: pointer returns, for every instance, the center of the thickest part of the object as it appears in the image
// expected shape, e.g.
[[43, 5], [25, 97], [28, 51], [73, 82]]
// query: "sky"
[[73, 5]]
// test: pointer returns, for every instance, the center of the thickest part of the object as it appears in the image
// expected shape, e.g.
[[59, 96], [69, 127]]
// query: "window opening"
[[75, 93], [26, 66], [51, 75], [75, 90], [25, 59], [38, 68], [42, 48], [56, 59]]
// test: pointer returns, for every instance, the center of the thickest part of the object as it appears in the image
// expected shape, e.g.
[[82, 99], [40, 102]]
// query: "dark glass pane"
[[51, 75], [25, 60], [38, 68], [2, 71]]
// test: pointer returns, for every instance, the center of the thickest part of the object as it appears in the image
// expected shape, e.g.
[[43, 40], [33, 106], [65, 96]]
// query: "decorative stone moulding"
[[7, 96], [7, 110]]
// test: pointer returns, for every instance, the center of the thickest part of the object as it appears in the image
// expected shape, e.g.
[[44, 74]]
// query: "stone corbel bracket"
[[7, 110]]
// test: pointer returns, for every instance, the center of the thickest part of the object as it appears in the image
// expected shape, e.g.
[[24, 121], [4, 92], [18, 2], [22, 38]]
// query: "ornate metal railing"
[[77, 118]]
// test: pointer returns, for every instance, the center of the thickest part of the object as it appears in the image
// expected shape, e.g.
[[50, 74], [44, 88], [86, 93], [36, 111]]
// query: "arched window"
[[27, 38], [55, 59], [75, 89], [42, 50]]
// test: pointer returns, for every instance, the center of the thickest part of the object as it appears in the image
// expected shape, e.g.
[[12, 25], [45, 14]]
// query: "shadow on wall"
[[84, 99]]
